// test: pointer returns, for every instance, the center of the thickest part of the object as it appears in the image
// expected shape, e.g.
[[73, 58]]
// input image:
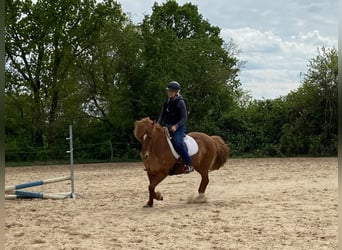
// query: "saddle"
[[190, 144]]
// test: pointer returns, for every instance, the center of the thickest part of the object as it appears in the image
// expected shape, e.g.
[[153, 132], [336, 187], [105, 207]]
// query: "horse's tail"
[[222, 153]]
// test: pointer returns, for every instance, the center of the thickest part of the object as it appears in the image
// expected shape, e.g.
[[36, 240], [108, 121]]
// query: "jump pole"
[[15, 193], [23, 194], [36, 183]]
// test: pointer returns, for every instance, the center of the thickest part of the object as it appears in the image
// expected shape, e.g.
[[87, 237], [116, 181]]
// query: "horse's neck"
[[159, 135], [160, 142]]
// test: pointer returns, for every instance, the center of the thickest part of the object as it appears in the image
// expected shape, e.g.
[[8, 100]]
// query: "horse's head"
[[144, 132]]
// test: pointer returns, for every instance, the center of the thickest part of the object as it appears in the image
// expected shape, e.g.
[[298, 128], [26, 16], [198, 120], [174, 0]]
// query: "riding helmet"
[[173, 85]]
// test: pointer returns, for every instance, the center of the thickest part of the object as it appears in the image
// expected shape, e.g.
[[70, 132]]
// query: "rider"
[[174, 115]]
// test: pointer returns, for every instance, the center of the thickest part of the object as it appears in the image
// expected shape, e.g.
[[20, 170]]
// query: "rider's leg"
[[178, 137]]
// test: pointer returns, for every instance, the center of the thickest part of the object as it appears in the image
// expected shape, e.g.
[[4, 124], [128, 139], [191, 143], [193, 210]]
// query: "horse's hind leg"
[[203, 185], [154, 181]]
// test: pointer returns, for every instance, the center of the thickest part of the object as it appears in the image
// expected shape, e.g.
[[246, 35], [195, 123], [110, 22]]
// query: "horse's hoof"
[[159, 196], [147, 206]]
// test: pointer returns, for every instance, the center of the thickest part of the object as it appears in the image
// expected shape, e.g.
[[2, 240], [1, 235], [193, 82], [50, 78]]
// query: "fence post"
[[111, 150]]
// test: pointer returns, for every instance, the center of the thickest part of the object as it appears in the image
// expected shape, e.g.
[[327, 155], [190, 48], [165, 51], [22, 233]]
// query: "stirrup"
[[188, 169]]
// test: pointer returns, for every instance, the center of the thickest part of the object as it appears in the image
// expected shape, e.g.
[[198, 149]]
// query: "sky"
[[277, 39]]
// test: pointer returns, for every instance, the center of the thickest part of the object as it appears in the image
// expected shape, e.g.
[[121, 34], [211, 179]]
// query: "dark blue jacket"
[[173, 112]]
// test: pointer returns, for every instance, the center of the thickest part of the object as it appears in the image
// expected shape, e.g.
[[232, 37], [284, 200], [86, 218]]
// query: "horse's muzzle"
[[145, 156]]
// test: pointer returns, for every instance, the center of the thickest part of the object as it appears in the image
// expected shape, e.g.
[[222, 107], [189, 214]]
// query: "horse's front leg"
[[155, 179]]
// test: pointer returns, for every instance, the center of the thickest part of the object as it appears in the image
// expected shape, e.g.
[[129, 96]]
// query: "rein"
[[167, 132]]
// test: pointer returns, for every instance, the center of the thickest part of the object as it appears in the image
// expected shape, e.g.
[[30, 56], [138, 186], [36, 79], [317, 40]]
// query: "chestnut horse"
[[159, 160]]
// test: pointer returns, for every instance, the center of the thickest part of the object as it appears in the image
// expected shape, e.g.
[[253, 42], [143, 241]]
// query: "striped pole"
[[23, 194], [15, 193], [36, 183]]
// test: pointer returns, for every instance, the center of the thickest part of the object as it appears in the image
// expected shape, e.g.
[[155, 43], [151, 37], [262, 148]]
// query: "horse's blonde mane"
[[140, 128], [144, 126]]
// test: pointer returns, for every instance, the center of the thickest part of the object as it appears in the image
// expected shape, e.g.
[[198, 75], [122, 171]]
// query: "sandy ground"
[[288, 203]]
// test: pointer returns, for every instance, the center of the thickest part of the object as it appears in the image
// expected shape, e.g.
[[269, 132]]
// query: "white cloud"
[[269, 83]]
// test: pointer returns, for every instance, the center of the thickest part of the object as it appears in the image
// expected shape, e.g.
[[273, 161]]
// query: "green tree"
[[264, 120], [304, 122], [323, 74], [312, 126], [106, 68], [63, 55], [84, 63], [67, 62], [180, 45], [39, 52]]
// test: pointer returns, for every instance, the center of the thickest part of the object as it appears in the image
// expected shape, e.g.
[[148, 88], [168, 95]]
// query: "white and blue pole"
[[71, 152]]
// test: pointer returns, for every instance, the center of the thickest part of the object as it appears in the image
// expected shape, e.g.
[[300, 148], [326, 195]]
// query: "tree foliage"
[[85, 63], [312, 125], [304, 122], [180, 45]]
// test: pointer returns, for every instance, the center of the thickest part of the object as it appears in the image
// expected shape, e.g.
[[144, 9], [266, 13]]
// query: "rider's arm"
[[183, 112]]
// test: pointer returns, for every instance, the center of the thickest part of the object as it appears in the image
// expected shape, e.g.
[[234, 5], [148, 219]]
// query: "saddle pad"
[[191, 144]]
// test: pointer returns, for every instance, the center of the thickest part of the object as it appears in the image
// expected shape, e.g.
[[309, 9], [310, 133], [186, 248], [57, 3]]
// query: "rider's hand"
[[173, 128]]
